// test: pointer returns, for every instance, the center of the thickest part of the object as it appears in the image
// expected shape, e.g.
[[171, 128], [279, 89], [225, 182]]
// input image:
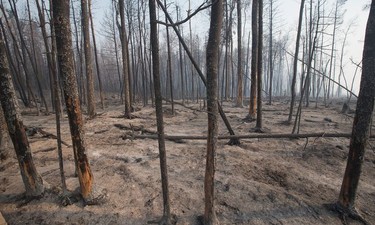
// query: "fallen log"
[[248, 136], [133, 128], [31, 131]]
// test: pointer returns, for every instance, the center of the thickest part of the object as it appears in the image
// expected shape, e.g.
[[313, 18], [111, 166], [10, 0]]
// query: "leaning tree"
[[32, 180], [361, 125]]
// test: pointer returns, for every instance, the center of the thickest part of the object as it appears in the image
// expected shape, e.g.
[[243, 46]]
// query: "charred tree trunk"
[[96, 56], [169, 73], [362, 120], [254, 61], [91, 108], [32, 180], [239, 102], [125, 64], [259, 66], [159, 113], [212, 54], [4, 150], [270, 55], [295, 62], [66, 67]]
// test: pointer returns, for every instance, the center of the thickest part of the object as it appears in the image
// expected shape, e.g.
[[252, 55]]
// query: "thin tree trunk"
[[181, 64], [34, 61], [362, 121], [239, 102], [32, 180], [295, 62], [270, 55], [91, 107], [159, 113], [81, 84], [26, 52], [260, 66], [169, 73], [254, 61], [16, 73], [212, 54], [247, 65], [330, 87], [125, 60], [96, 56]]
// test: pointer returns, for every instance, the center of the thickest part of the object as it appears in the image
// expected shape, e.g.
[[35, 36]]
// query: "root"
[[165, 220], [234, 142], [348, 212], [97, 197]]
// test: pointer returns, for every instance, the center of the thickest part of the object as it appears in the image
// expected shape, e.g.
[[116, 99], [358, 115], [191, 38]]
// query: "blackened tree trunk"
[[32, 180], [212, 55], [159, 113], [91, 108], [169, 73], [295, 62], [96, 56], [362, 120], [4, 150], [254, 60], [66, 67], [259, 66], [270, 55], [239, 102], [125, 64]]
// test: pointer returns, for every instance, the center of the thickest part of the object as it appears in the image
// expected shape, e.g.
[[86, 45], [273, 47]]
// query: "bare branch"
[[200, 8]]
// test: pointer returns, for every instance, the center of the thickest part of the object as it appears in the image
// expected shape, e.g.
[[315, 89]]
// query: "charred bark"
[[4, 151], [32, 180], [362, 121], [67, 75], [212, 55], [295, 62], [125, 63], [91, 108], [239, 102], [159, 113], [254, 60]]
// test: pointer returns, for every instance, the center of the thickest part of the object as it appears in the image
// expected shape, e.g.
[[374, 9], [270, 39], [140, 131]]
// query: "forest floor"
[[262, 181]]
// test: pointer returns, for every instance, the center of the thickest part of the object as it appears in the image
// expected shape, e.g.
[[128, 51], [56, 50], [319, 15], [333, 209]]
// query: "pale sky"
[[287, 21]]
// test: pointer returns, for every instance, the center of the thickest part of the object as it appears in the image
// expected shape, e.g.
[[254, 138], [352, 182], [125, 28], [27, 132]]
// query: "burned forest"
[[200, 112]]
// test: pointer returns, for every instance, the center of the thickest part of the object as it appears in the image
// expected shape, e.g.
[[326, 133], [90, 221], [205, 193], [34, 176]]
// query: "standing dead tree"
[[258, 126], [91, 108], [125, 60], [239, 99], [233, 141], [159, 113], [361, 125], [96, 56], [64, 49], [254, 55], [212, 55], [32, 180], [295, 62]]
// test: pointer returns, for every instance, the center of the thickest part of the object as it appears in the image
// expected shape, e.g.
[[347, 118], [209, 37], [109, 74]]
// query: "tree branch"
[[200, 8]]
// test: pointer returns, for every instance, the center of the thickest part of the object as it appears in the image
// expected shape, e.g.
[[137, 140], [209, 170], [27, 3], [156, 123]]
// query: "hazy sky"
[[286, 21]]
